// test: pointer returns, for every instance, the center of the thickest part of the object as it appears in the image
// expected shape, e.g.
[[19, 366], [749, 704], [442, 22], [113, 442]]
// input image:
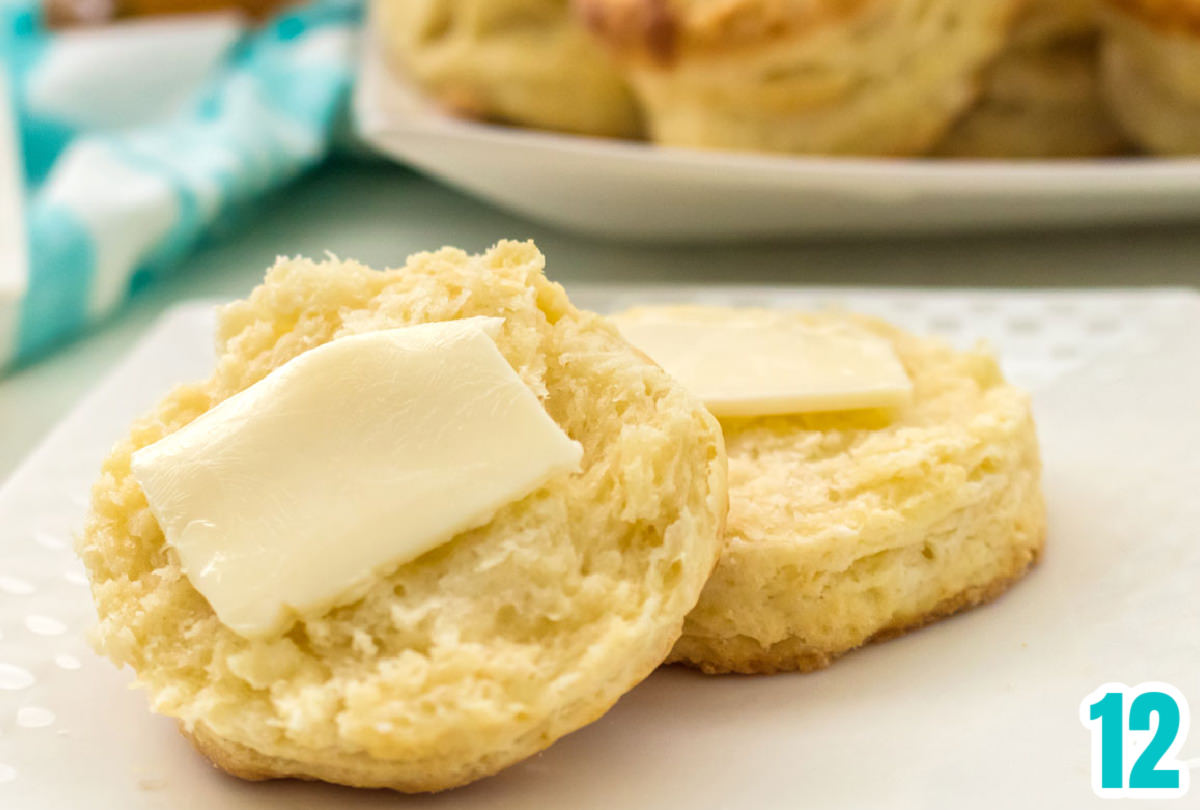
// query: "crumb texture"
[[480, 652]]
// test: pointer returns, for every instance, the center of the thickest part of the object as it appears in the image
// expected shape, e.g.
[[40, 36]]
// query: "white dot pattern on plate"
[[75, 576], [13, 677], [7, 773], [44, 625], [15, 587], [34, 717], [68, 662], [48, 540]]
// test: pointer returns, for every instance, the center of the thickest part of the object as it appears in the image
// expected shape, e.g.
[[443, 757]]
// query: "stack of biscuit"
[[753, 544], [898, 78]]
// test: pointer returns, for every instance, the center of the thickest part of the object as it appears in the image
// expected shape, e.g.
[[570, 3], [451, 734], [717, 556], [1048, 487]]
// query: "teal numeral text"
[[1146, 773], [1109, 710], [1146, 725]]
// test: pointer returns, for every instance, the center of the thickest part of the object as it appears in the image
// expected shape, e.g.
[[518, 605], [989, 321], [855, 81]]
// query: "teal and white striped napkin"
[[138, 141]]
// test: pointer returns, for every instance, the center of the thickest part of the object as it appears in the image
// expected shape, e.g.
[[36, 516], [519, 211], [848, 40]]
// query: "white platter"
[[979, 711], [625, 189]]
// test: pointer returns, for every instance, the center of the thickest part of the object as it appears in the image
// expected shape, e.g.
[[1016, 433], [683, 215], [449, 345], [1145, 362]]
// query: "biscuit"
[[834, 77], [520, 62], [483, 651], [1151, 69], [1042, 96], [1041, 102], [856, 526]]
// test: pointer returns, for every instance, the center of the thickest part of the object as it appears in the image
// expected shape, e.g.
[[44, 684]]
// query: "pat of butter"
[[294, 495], [755, 365]]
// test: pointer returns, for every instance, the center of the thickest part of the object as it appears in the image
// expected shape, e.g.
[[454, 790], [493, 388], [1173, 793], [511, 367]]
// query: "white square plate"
[[627, 189], [979, 711]]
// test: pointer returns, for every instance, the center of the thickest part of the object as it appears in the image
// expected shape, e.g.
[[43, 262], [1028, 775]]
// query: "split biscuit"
[[486, 649]]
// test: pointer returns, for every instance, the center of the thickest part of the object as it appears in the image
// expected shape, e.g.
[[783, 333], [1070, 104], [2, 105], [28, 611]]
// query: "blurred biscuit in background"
[[90, 12], [834, 77], [1151, 69], [1042, 97], [1048, 22], [515, 61]]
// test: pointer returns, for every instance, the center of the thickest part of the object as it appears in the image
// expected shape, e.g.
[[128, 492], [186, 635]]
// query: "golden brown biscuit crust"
[[1149, 100], [828, 77], [662, 30], [246, 763], [1167, 15], [1151, 72], [1041, 101], [524, 62], [747, 657], [1047, 22]]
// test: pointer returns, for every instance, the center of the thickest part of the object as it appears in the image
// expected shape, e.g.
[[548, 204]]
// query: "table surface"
[[378, 214]]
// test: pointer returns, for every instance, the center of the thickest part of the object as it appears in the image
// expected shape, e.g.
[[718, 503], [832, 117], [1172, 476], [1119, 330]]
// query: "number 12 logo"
[[1136, 734]]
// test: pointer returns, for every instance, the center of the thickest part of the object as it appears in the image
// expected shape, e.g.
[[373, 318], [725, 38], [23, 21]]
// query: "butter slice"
[[745, 365], [296, 494]]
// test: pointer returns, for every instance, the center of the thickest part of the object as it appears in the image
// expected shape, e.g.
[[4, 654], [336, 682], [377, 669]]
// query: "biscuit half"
[[482, 651], [851, 527]]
